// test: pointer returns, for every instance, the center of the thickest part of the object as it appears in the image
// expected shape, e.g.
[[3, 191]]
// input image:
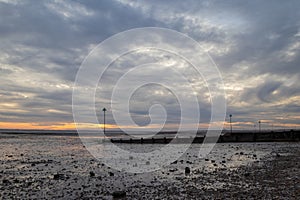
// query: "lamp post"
[[259, 125], [104, 110], [230, 116]]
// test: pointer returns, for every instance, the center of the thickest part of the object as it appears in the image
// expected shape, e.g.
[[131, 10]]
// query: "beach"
[[60, 167]]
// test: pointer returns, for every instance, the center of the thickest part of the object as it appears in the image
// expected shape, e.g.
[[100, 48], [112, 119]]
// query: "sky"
[[255, 44]]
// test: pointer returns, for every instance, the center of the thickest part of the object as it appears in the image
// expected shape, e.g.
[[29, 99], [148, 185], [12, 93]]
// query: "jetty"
[[229, 137]]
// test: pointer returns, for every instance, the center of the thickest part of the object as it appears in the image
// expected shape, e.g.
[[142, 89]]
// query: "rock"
[[277, 155], [119, 194], [58, 176], [172, 170], [241, 153], [5, 181], [206, 159], [111, 174], [148, 163], [247, 174], [175, 162], [92, 174], [212, 161], [189, 162], [187, 170]]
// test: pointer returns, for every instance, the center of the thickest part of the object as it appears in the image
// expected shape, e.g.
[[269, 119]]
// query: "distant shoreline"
[[168, 136]]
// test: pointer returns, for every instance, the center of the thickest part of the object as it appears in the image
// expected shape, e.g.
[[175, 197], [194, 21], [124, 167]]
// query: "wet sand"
[[59, 167]]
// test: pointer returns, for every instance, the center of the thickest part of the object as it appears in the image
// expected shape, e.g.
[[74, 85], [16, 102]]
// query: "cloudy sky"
[[255, 45]]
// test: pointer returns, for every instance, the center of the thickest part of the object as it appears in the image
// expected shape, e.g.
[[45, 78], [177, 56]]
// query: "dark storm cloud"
[[272, 27], [62, 97], [53, 38], [266, 90], [36, 35], [270, 91], [258, 32]]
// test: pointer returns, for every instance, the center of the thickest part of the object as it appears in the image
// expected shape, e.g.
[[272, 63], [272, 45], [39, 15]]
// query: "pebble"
[[111, 174], [187, 170], [172, 170], [119, 194], [92, 174], [58, 176], [189, 162]]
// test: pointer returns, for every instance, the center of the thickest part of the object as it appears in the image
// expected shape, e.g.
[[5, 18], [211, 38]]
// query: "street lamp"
[[259, 125], [230, 116], [104, 110]]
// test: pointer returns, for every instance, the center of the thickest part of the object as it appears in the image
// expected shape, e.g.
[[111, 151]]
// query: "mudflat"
[[59, 167]]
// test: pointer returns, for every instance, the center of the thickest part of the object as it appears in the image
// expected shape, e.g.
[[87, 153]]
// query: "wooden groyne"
[[282, 136]]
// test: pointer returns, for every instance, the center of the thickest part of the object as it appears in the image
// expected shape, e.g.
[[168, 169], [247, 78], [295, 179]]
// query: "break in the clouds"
[[255, 44]]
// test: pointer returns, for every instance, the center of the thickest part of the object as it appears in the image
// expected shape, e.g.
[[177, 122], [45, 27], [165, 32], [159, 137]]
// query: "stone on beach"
[[119, 194], [111, 174], [92, 174], [58, 176], [175, 162], [187, 170], [5, 181]]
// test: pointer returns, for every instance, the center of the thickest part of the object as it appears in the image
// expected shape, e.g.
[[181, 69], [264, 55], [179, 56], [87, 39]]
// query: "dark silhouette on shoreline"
[[267, 136]]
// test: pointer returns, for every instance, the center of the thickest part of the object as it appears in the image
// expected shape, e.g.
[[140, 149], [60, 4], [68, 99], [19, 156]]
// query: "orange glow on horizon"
[[32, 125], [53, 126], [72, 126]]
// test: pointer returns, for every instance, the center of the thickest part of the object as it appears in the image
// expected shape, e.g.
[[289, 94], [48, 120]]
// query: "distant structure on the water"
[[237, 136], [104, 110]]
